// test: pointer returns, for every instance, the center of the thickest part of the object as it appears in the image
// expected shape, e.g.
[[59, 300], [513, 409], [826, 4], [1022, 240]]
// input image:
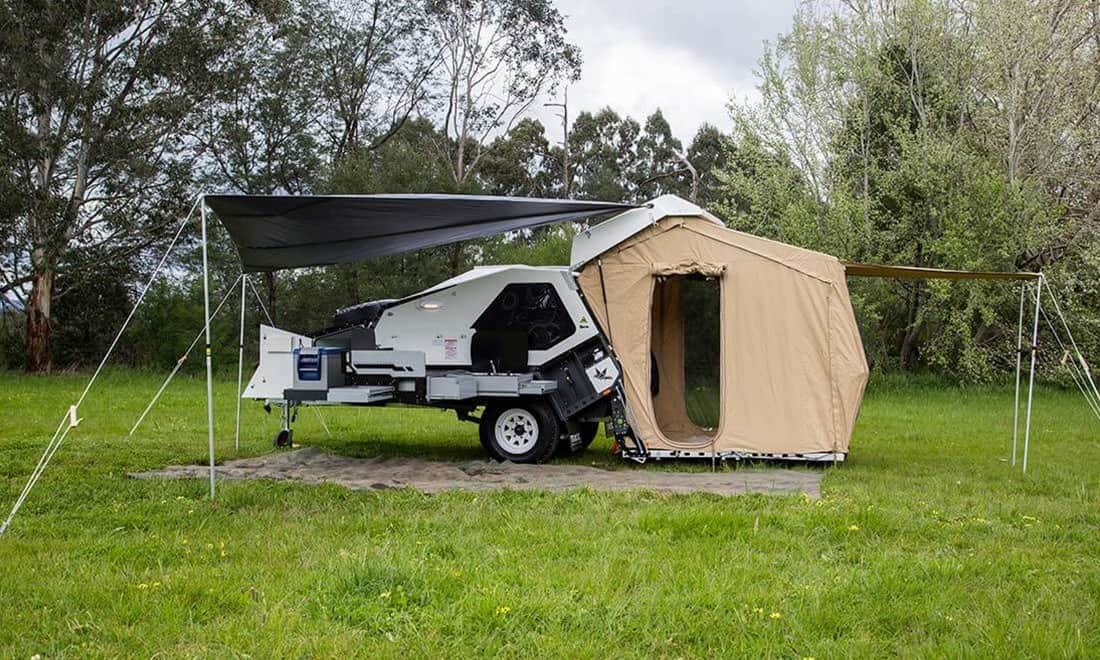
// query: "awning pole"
[[240, 367], [1019, 360], [209, 367], [1031, 377]]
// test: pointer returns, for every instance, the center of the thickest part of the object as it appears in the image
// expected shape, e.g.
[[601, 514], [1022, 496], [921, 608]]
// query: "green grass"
[[925, 544]]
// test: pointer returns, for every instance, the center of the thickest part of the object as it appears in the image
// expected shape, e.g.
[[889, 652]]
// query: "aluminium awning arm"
[[912, 272]]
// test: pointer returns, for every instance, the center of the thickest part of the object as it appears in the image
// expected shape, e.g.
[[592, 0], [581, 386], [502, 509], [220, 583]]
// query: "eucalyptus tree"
[[604, 154], [522, 163], [259, 128], [324, 82], [662, 166], [96, 99], [930, 132], [498, 57], [708, 155], [373, 63]]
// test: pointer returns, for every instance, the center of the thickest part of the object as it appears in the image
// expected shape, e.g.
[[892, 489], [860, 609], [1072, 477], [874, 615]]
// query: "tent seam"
[[832, 366], [763, 256]]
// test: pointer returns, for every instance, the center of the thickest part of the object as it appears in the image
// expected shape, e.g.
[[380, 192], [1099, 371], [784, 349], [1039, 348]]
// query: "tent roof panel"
[[593, 242]]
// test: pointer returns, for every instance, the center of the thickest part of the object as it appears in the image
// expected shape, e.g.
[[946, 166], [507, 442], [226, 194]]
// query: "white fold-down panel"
[[276, 370]]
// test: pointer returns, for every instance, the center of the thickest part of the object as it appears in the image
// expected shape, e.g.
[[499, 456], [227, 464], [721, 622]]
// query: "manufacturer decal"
[[602, 374]]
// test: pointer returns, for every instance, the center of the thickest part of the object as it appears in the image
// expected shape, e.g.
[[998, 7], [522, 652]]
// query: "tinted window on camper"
[[534, 309]]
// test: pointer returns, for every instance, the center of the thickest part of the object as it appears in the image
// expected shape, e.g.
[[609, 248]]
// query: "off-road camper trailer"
[[515, 341], [545, 354]]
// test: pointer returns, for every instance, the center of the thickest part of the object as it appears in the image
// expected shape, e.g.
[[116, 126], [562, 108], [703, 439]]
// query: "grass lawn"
[[926, 543]]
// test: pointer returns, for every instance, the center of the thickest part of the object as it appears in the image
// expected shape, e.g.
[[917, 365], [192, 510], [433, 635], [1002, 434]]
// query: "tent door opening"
[[685, 357]]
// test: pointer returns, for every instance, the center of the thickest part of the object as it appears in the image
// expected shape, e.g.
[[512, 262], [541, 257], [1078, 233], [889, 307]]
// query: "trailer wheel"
[[524, 432], [587, 431], [284, 438]]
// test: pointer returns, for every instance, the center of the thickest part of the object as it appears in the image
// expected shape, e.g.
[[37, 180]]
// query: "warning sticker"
[[450, 349]]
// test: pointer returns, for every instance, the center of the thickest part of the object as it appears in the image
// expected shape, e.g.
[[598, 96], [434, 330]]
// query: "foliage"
[[96, 95], [520, 163], [257, 133], [616, 158], [879, 138], [496, 58], [603, 150]]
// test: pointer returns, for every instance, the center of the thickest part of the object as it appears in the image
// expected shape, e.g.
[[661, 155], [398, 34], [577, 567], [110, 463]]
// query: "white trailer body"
[[518, 341]]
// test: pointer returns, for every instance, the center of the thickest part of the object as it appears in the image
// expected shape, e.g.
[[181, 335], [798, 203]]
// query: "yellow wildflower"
[[775, 615], [503, 609], [853, 528]]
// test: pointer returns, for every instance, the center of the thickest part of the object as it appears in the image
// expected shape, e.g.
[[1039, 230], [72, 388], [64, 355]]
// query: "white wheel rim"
[[516, 431]]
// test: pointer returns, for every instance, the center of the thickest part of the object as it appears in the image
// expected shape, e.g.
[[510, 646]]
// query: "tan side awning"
[[914, 273]]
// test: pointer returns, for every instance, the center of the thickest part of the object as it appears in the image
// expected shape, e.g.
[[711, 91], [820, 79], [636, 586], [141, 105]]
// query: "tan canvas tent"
[[787, 359]]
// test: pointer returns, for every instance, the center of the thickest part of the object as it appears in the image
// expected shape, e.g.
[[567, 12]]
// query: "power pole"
[[564, 105]]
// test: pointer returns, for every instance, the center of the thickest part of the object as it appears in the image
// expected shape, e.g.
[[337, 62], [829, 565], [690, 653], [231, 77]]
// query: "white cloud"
[[686, 58]]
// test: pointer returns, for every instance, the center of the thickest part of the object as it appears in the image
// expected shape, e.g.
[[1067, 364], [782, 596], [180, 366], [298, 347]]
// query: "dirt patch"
[[313, 466]]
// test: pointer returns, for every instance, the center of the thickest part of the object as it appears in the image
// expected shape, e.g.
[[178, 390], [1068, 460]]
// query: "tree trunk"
[[352, 281], [456, 259], [694, 175], [909, 348], [907, 354], [38, 322], [269, 282]]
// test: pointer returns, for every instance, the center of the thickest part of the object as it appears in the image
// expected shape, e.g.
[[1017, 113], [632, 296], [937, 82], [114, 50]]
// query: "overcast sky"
[[686, 57]]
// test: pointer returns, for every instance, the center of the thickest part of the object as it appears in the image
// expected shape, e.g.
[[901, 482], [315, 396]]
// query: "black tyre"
[[587, 431], [284, 438], [520, 432]]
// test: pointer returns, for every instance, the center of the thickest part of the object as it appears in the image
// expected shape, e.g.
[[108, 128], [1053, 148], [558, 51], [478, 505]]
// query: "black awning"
[[291, 231]]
